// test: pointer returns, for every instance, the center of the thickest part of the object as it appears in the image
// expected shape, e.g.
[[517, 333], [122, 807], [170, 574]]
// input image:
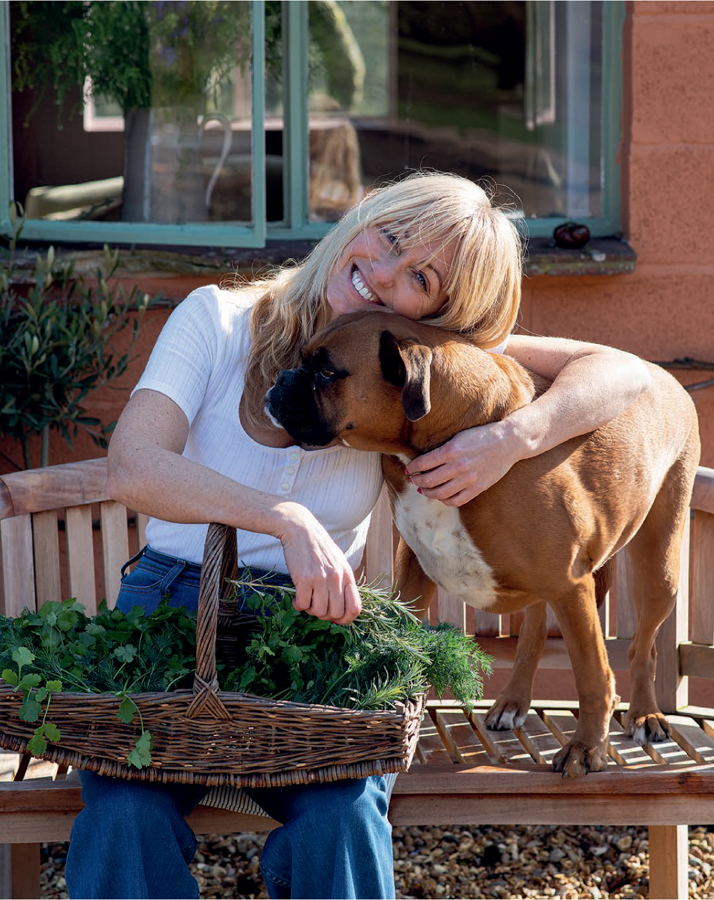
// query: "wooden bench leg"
[[669, 864], [24, 871]]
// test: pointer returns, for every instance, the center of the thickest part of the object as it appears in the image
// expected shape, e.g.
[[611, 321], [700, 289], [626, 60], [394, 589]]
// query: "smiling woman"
[[430, 246], [194, 446], [405, 277]]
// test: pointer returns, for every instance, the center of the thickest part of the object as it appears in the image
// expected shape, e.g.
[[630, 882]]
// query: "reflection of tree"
[[335, 51]]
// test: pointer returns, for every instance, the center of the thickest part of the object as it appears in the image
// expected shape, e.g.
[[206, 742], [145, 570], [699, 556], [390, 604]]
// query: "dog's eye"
[[324, 374]]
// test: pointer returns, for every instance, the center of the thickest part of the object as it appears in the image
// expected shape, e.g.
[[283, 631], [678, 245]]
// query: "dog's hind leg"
[[511, 708], [655, 556]]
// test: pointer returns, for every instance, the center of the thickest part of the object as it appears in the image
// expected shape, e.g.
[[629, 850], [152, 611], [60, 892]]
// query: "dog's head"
[[362, 378]]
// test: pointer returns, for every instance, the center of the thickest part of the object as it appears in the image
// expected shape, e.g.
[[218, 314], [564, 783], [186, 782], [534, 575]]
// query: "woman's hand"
[[324, 580], [147, 472], [591, 385], [468, 464]]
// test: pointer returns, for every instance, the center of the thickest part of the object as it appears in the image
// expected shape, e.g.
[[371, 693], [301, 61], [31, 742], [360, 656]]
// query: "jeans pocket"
[[142, 580], [141, 587]]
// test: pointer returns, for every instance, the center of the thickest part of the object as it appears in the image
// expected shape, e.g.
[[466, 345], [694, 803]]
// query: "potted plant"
[[58, 344]]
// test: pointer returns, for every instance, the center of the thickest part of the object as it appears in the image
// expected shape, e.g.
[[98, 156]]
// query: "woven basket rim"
[[401, 708]]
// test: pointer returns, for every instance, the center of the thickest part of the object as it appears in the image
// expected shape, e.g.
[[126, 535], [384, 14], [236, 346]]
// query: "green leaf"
[[126, 654], [29, 681], [37, 745], [9, 676], [30, 710], [52, 732], [140, 756], [54, 686], [22, 656], [293, 653], [126, 711]]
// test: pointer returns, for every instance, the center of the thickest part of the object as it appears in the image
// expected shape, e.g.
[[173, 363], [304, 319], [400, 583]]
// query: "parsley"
[[386, 656], [59, 648]]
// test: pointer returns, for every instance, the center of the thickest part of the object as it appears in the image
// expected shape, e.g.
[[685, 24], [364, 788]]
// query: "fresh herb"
[[59, 648], [387, 655]]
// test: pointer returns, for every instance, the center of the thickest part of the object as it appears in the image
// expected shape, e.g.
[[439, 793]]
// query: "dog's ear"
[[407, 365]]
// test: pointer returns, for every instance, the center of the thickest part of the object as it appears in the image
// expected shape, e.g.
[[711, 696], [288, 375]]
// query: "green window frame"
[[296, 225]]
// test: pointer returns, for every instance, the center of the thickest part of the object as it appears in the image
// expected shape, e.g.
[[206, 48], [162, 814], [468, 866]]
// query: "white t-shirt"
[[199, 362]]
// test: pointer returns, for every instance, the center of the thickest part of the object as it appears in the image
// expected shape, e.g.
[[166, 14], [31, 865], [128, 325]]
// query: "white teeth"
[[361, 289]]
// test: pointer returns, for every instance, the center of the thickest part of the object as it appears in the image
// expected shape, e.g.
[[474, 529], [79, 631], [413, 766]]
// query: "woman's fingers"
[[465, 466], [324, 582]]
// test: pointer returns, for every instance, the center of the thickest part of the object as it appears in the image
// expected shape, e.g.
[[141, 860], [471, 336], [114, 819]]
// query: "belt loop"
[[130, 562], [172, 575]]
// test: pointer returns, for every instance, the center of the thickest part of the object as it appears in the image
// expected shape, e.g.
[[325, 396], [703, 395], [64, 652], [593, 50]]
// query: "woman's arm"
[[591, 385], [147, 472]]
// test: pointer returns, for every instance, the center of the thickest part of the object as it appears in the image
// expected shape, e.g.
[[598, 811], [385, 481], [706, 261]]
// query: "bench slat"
[[48, 582], [17, 575], [538, 739], [460, 738], [141, 523], [80, 557], [55, 487], [430, 749], [702, 587], [696, 743], [115, 547]]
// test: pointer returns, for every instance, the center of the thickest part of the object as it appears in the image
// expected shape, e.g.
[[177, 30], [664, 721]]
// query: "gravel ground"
[[460, 862]]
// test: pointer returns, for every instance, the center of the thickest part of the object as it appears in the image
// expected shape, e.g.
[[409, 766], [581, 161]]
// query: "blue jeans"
[[131, 839]]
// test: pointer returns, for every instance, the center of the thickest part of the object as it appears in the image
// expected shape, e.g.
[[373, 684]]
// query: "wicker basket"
[[212, 737]]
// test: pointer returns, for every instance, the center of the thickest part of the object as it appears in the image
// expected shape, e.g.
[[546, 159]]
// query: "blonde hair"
[[483, 283]]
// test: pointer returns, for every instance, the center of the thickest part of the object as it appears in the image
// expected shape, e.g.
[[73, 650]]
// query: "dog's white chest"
[[445, 550]]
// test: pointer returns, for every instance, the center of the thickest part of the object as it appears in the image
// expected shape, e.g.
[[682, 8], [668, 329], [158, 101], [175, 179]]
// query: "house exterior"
[[643, 283]]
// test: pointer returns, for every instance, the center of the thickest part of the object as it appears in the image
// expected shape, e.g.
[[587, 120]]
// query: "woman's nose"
[[386, 269]]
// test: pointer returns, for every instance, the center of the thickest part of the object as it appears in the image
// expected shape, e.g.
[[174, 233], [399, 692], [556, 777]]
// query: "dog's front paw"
[[507, 714], [577, 759], [652, 727]]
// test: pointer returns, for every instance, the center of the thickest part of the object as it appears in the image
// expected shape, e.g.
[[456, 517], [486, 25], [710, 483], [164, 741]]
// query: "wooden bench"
[[60, 536]]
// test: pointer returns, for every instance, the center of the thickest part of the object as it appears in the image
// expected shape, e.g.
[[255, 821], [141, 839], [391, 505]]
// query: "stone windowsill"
[[601, 256]]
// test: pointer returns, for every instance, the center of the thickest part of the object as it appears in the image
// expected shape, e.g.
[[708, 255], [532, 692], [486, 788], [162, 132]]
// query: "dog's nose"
[[287, 378]]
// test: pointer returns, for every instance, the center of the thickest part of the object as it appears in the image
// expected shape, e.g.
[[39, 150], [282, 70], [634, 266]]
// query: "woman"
[[194, 446]]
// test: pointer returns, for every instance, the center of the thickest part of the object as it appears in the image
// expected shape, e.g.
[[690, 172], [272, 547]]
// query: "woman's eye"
[[391, 238], [422, 281]]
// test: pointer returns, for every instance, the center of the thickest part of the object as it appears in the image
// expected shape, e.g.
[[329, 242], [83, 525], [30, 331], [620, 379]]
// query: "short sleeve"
[[184, 355]]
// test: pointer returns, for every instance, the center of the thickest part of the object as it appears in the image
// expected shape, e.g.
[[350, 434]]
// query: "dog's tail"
[[603, 580]]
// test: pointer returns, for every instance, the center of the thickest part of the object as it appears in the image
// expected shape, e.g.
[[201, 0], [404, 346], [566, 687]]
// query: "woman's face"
[[374, 272]]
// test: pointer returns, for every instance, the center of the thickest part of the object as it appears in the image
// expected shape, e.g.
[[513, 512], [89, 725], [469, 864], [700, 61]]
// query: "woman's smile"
[[362, 288], [376, 269]]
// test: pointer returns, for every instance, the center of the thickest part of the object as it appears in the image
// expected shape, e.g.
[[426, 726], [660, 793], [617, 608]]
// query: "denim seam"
[[276, 879]]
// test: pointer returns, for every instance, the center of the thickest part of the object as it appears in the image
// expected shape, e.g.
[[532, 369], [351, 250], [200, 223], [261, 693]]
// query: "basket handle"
[[220, 561]]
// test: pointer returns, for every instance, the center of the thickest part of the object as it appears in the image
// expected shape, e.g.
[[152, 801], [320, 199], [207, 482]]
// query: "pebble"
[[462, 863]]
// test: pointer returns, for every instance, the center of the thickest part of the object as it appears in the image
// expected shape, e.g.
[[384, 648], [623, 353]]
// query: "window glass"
[[141, 113], [164, 133], [507, 91]]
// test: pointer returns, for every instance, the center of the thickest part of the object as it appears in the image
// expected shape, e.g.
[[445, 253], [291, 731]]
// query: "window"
[[232, 123]]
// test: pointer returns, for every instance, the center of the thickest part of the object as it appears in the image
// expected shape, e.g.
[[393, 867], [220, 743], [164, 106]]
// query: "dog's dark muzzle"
[[292, 402]]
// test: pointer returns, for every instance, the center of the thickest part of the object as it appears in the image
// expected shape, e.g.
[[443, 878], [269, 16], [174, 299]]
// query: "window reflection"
[[499, 90], [506, 91]]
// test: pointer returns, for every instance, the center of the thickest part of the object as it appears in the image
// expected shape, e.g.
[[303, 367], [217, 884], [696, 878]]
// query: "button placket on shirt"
[[290, 471]]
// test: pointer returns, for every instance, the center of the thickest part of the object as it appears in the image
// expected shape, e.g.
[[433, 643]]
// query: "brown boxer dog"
[[544, 533]]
